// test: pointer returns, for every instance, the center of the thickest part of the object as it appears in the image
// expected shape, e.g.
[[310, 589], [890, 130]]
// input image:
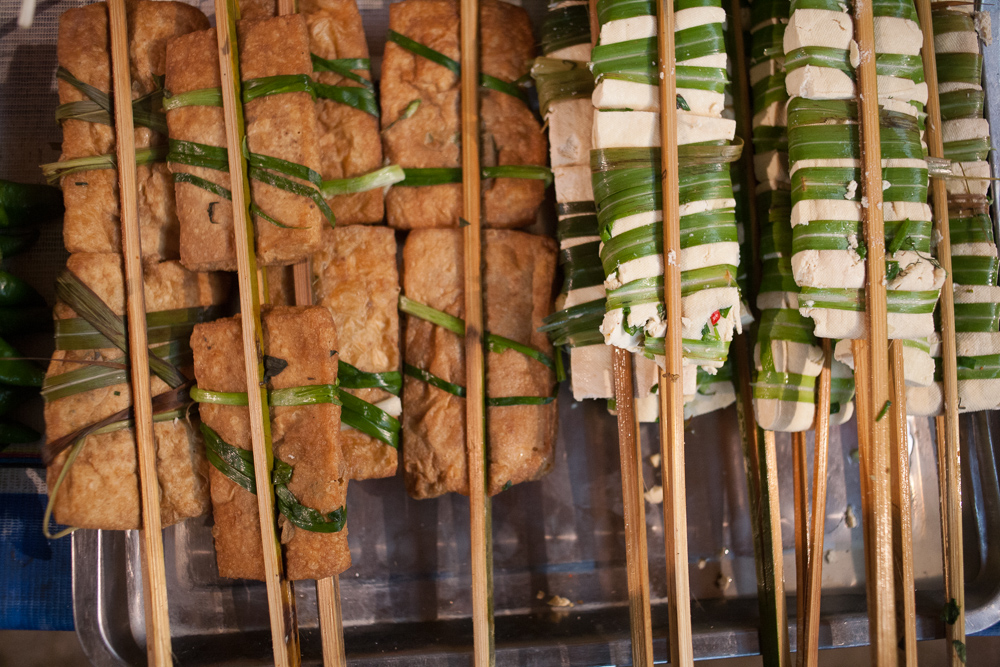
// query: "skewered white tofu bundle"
[[626, 173], [828, 260], [973, 249]]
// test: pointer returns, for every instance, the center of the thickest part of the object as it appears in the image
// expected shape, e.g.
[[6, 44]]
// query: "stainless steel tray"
[[406, 600]]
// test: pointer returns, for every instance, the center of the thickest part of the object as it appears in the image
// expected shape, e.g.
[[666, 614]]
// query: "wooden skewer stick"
[[634, 504], [803, 557], [902, 533], [810, 650], [636, 554], [480, 519], [671, 385], [280, 602], [949, 476], [154, 573], [877, 510], [331, 622]]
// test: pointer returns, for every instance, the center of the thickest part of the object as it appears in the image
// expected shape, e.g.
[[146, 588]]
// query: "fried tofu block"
[[349, 138], [517, 281], [431, 137], [306, 437], [355, 276], [258, 9], [101, 489], [281, 126], [91, 221]]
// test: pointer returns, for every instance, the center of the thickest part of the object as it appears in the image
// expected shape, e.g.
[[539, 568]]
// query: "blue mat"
[[36, 591]]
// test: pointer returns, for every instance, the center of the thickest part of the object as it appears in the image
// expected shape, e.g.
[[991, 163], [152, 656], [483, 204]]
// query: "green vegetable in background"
[[17, 292], [16, 240], [24, 204], [12, 433], [24, 319], [10, 397], [18, 372]]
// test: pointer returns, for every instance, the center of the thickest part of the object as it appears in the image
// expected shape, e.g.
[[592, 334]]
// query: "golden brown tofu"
[[519, 269], [281, 126], [350, 142], [101, 489], [355, 276], [91, 221], [306, 437], [431, 136]]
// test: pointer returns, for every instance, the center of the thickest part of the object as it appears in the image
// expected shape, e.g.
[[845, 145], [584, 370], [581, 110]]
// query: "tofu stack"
[[421, 128], [625, 163], [310, 473], [828, 260], [973, 248], [288, 210]]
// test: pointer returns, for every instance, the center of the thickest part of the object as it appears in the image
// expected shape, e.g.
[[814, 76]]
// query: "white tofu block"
[[721, 396], [978, 395], [695, 16], [623, 30], [765, 69], [974, 178], [916, 274], [925, 401], [898, 35], [584, 295], [774, 115], [902, 106], [591, 374], [818, 27], [963, 129], [819, 83], [828, 268], [956, 42], [570, 133], [578, 52], [615, 334], [952, 86], [792, 357], [697, 309], [649, 266], [807, 210], [573, 184], [718, 60], [617, 94], [626, 129], [843, 415], [918, 367], [693, 129], [784, 416], [771, 168], [775, 300], [898, 211], [835, 323], [897, 88], [709, 254], [977, 294], [577, 240], [630, 222], [706, 205], [978, 343], [647, 409], [984, 249], [702, 102]]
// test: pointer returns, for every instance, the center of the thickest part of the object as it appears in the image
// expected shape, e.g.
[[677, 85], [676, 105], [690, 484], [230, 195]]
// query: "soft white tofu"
[[696, 16], [584, 295], [977, 294], [898, 35], [835, 323], [818, 27], [591, 376], [573, 184], [792, 357], [706, 205], [956, 42], [828, 268], [623, 30], [615, 334], [984, 249], [617, 94], [646, 376], [771, 169], [693, 128], [898, 88], [570, 133], [718, 60], [716, 396], [630, 222], [925, 401], [978, 395], [963, 129], [647, 409], [807, 210], [952, 86], [974, 181], [774, 300], [626, 129], [773, 115], [702, 102], [916, 274], [636, 269], [697, 309], [578, 52], [784, 416], [819, 83], [709, 254], [577, 240], [765, 69]]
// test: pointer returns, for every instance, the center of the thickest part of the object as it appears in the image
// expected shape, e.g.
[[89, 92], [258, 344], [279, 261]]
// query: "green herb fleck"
[[273, 366], [891, 270], [462, 222], [682, 104], [951, 612], [959, 649], [901, 233], [509, 484], [118, 393], [855, 455], [834, 408], [883, 411]]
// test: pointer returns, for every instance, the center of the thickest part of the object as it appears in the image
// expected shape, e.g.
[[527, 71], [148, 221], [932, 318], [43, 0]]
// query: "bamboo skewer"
[[280, 602], [813, 594], [154, 572], [800, 486], [480, 512], [875, 456], [902, 533], [671, 385], [949, 469], [636, 555]]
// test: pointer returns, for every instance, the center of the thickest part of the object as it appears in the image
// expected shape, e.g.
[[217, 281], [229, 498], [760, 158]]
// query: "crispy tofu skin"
[[101, 490], [258, 9], [206, 219], [355, 276], [281, 126], [349, 139], [431, 136], [91, 221], [306, 437], [517, 281]]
